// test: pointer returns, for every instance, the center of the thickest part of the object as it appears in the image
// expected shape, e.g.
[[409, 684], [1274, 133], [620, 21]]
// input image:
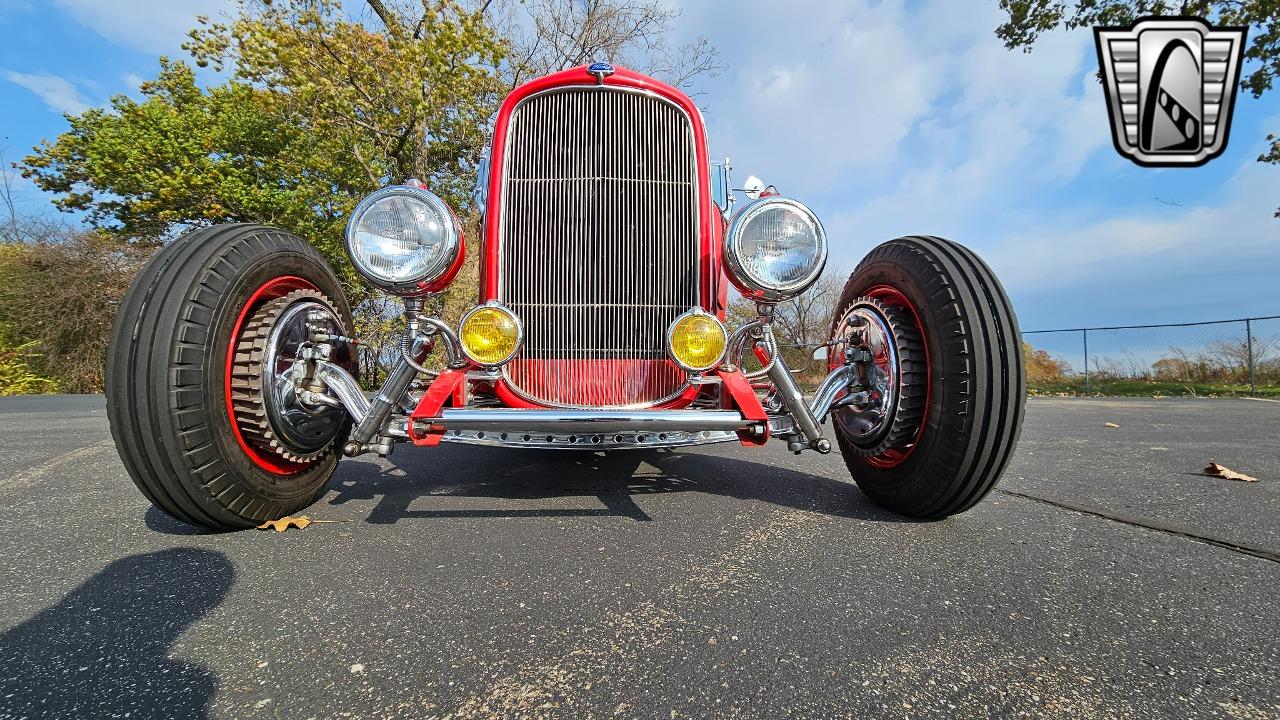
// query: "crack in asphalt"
[[1151, 525], [32, 475]]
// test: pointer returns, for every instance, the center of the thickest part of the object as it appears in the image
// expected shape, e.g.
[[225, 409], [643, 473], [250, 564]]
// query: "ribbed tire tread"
[[164, 376], [978, 381]]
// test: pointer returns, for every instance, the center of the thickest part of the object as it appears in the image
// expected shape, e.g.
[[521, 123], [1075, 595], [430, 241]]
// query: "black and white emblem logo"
[[1170, 84]]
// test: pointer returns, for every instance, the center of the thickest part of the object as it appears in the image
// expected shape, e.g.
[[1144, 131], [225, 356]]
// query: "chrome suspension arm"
[[823, 398], [343, 386]]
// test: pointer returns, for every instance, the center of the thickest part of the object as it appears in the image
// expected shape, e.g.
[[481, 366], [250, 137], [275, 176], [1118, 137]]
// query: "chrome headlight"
[[404, 239], [775, 249]]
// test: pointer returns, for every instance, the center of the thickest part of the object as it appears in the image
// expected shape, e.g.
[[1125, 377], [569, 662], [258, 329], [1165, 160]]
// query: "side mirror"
[[752, 187]]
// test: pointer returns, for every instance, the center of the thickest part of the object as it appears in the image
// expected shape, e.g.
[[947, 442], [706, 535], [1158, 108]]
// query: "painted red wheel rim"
[[272, 289], [893, 457]]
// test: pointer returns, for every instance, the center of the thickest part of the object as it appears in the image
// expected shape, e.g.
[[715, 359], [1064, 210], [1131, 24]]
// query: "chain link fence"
[[1225, 357]]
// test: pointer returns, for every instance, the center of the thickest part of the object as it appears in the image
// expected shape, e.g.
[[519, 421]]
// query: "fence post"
[[1248, 338], [1085, 334]]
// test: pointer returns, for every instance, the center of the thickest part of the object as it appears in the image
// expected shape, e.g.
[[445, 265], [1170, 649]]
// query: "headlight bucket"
[[490, 334], [775, 248], [405, 240], [696, 340]]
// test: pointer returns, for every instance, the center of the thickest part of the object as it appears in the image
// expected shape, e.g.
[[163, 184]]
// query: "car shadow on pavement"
[[614, 478], [105, 649], [157, 520]]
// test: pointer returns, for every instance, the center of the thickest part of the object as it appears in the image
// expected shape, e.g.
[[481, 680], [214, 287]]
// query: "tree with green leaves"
[[1029, 18], [320, 110], [320, 104]]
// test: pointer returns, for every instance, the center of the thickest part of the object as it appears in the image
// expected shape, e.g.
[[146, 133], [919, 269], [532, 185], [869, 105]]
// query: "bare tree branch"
[[388, 17], [549, 35]]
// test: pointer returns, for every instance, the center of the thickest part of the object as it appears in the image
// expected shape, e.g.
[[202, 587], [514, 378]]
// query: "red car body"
[[712, 282]]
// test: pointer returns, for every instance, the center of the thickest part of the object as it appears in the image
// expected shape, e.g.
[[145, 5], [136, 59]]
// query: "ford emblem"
[[600, 70]]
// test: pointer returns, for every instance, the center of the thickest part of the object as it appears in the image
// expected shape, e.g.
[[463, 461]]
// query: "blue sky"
[[887, 118]]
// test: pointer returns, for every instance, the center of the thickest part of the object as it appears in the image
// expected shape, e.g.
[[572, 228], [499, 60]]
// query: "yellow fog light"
[[696, 341], [490, 334]]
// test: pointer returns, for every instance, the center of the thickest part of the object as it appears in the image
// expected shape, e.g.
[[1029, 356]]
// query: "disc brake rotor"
[[263, 394]]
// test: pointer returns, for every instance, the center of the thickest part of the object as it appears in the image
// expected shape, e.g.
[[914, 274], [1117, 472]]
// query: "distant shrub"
[[16, 377], [58, 297], [1043, 367]]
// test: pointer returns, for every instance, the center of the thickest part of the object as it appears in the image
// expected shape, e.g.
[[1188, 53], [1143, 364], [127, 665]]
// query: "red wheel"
[[274, 289], [887, 426], [945, 385], [200, 398]]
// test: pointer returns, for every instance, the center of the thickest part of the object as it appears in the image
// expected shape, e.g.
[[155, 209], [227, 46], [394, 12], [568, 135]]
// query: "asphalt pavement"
[[1104, 578]]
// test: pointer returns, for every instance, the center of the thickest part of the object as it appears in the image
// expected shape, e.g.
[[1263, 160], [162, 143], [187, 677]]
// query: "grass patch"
[[1142, 388]]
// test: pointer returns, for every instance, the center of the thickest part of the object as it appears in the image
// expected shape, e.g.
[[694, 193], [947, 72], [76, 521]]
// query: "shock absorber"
[[414, 348]]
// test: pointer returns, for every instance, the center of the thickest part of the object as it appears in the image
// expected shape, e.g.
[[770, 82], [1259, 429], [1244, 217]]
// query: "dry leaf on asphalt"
[[1216, 470], [1113, 425], [284, 523]]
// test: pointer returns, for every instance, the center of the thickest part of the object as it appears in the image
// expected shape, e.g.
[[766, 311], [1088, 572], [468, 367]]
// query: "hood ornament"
[[600, 71]]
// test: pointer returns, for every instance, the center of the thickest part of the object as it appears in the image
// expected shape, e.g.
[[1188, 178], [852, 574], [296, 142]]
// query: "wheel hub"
[[265, 378], [876, 423]]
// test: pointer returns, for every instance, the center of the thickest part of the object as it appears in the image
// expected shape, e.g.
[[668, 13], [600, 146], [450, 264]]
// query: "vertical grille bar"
[[599, 244]]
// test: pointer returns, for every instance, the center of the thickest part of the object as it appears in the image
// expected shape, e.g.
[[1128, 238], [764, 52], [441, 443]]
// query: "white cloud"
[[58, 93], [146, 25], [1147, 243], [831, 88], [894, 119]]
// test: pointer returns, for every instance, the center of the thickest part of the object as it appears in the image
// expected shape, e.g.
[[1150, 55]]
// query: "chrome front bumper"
[[798, 421], [586, 421], [593, 441], [591, 429]]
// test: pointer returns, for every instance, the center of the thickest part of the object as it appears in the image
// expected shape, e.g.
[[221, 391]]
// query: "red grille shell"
[[622, 379]]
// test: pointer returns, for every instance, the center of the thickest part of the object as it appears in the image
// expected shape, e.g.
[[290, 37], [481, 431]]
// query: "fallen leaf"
[[1112, 425], [1216, 470], [285, 523]]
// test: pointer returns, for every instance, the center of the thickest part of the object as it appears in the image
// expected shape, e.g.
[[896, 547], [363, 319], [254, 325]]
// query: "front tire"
[[187, 418], [960, 381]]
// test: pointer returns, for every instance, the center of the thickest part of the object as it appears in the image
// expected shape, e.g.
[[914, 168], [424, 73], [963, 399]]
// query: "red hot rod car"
[[610, 244]]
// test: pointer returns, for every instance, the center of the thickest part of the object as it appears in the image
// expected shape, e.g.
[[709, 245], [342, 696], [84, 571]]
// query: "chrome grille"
[[599, 244]]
